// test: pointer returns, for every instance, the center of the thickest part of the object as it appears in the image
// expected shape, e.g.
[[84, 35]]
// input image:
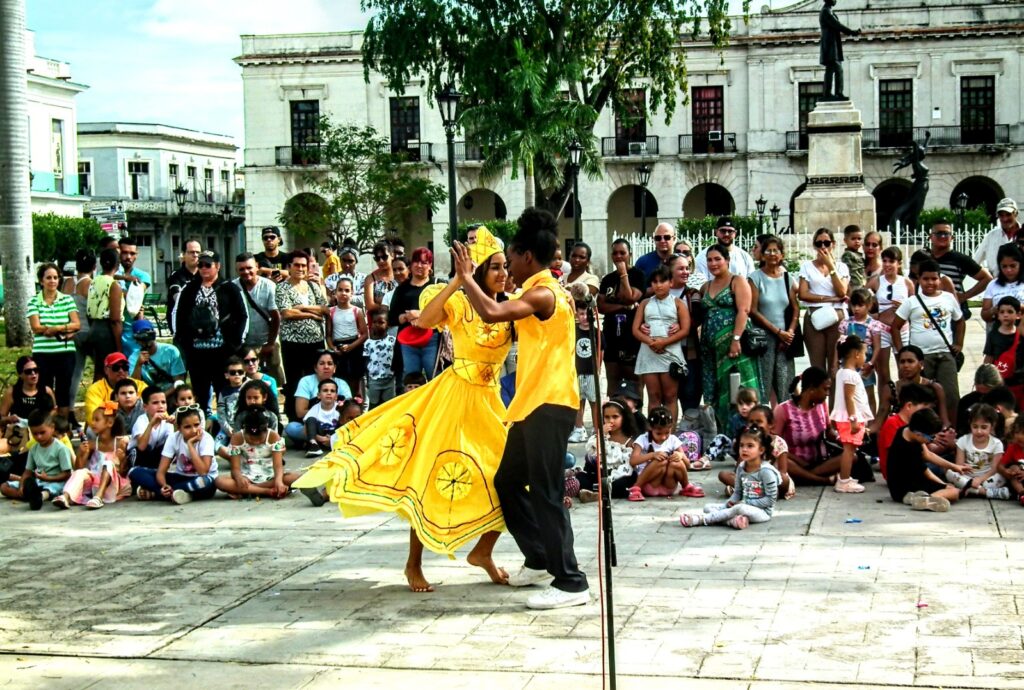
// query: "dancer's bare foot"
[[417, 582], [498, 575]]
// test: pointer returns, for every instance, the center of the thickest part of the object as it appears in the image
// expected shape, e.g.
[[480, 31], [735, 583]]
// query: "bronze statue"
[[832, 51], [907, 212]]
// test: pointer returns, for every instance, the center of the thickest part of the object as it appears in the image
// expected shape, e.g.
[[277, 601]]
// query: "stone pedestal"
[[835, 195]]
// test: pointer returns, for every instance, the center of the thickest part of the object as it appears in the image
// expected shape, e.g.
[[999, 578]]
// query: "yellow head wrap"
[[486, 245]]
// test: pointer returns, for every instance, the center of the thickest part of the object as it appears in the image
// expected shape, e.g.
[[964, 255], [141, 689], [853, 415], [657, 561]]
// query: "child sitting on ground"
[[722, 444], [619, 432], [151, 431], [756, 490], [658, 461], [1011, 467], [48, 466], [129, 407], [190, 448], [982, 452], [256, 395], [763, 418], [184, 396], [322, 419], [910, 481], [257, 460], [99, 474], [913, 397], [227, 403]]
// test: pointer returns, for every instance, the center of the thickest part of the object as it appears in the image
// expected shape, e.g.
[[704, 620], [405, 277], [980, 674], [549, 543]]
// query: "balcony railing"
[[625, 146], [707, 142], [468, 151], [415, 151], [949, 135], [298, 155]]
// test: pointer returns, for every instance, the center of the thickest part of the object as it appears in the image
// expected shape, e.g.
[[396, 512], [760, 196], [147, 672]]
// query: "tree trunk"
[[15, 193], [529, 191]]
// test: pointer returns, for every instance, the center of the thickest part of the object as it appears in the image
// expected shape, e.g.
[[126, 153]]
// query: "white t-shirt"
[[945, 310], [157, 438], [995, 292], [862, 411], [181, 459], [670, 445], [344, 325], [740, 263], [821, 283], [980, 459], [323, 416]]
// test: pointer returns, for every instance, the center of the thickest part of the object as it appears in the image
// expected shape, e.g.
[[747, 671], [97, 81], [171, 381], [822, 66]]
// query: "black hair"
[[178, 390], [243, 257], [123, 383], [106, 242], [663, 274], [912, 349], [149, 392], [823, 231], [385, 247], [850, 229], [941, 220], [328, 245], [629, 426], [85, 261], [19, 365], [345, 279], [416, 378], [43, 268], [584, 245], [623, 241], [325, 382], [1009, 301], [40, 418], [1010, 250], [1001, 396], [861, 297], [762, 436], [810, 378], [249, 385], [253, 420], [185, 414], [928, 266], [766, 410], [848, 347], [984, 412], [916, 394], [320, 355], [345, 404], [765, 240], [893, 253], [109, 259], [720, 248], [926, 421], [233, 360], [127, 241], [660, 417], [61, 425], [537, 234]]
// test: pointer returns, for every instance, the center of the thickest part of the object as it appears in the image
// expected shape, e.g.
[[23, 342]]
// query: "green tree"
[[365, 188], [589, 52], [57, 238]]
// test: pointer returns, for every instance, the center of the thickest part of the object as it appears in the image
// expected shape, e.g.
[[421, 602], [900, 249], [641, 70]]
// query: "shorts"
[[53, 487], [846, 437], [588, 391]]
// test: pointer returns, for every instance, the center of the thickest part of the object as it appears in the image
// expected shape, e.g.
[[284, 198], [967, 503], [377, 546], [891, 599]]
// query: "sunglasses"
[[943, 234], [380, 257], [663, 238], [236, 372], [205, 264], [889, 293], [34, 371], [267, 238], [250, 360], [727, 231], [823, 244], [686, 252], [194, 407], [872, 244], [120, 366]]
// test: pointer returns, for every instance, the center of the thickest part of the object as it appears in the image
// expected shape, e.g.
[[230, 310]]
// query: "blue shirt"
[[166, 357], [648, 263], [309, 384]]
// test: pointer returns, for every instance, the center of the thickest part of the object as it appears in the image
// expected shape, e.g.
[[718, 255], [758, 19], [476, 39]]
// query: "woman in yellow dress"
[[430, 455]]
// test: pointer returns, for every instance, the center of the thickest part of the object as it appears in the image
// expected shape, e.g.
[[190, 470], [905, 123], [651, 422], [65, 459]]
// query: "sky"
[[170, 61]]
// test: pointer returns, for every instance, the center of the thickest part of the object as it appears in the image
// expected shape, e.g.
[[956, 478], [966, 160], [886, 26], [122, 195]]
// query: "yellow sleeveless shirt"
[[546, 369]]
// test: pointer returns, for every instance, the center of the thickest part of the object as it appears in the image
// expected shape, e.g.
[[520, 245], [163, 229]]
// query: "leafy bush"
[[57, 238]]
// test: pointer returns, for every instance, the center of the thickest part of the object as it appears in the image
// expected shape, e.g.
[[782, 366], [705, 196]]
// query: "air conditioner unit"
[[637, 148], [715, 135], [412, 144]]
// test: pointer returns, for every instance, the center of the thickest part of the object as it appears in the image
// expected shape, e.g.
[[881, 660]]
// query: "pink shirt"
[[861, 410], [802, 429]]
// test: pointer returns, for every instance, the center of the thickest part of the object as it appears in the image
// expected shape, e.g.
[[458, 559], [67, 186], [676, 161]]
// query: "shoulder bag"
[[754, 339], [958, 357], [796, 348]]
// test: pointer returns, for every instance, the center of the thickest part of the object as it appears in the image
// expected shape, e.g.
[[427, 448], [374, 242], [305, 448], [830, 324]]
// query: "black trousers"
[[298, 360], [206, 373], [538, 521]]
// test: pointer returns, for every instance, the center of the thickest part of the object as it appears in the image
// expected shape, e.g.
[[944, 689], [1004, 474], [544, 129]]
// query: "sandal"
[[635, 494], [60, 502], [693, 491], [701, 463], [94, 503], [144, 495]]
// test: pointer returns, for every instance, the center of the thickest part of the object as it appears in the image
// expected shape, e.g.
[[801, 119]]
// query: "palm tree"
[[15, 194]]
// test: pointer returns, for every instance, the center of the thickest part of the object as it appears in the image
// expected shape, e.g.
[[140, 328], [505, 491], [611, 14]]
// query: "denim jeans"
[[200, 486], [416, 359]]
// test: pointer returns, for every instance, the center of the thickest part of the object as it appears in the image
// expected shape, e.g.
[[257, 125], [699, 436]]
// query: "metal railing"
[[707, 142], [468, 151], [946, 135], [415, 151], [626, 146], [297, 155]]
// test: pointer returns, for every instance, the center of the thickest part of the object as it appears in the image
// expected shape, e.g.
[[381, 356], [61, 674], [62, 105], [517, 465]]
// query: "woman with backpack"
[[210, 322], [104, 307]]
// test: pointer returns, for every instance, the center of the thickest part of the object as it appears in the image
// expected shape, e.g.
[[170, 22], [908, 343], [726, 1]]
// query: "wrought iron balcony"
[[629, 146], [297, 155], [468, 151], [707, 142]]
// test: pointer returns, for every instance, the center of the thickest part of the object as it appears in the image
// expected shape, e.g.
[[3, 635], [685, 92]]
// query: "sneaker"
[[848, 486], [908, 498], [578, 435], [553, 598], [1001, 493], [960, 481], [315, 497], [936, 504], [313, 450], [588, 496], [181, 497], [739, 522], [30, 490], [524, 577]]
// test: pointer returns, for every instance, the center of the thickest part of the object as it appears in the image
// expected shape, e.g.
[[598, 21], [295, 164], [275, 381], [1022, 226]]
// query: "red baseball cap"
[[113, 358]]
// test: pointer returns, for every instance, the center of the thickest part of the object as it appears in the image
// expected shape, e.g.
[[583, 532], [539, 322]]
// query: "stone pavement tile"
[[980, 682], [944, 661]]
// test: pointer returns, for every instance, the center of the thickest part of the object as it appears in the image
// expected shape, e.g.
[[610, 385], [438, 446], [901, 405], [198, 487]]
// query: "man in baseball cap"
[[115, 368], [1007, 229], [740, 262], [158, 364]]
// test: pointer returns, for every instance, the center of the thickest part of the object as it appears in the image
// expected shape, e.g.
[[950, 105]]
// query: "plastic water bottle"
[[734, 386]]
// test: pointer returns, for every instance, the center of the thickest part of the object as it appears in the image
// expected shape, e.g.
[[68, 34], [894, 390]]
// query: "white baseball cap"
[[1008, 205]]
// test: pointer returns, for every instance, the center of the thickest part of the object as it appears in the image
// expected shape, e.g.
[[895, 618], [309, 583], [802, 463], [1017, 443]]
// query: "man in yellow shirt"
[[115, 368], [542, 413]]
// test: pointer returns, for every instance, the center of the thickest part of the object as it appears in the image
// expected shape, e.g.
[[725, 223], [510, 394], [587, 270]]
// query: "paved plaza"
[[282, 595]]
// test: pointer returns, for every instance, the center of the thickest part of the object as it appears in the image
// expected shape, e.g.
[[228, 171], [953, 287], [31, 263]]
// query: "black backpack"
[[204, 319]]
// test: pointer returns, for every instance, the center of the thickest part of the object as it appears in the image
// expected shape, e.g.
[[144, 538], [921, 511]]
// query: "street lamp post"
[[448, 101], [760, 203], [643, 172], [775, 210], [961, 208], [575, 153], [180, 197]]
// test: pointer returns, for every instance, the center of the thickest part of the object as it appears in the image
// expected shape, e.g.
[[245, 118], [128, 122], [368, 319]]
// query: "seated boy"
[[910, 481], [48, 465], [129, 407], [227, 404], [913, 397], [321, 420], [151, 430]]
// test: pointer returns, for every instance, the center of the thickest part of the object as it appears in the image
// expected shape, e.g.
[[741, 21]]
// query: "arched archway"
[[888, 196], [479, 205], [307, 218], [708, 199], [627, 211], [981, 191]]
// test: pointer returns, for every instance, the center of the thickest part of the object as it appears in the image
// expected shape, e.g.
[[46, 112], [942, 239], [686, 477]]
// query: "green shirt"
[[51, 460], [855, 262], [52, 315]]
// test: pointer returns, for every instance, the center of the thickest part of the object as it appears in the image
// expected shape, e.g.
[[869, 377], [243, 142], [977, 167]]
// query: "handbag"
[[754, 340], [677, 371], [823, 318], [796, 347], [1006, 362], [958, 357]]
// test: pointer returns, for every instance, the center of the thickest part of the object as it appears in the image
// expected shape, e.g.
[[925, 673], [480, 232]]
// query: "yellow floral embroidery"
[[453, 480], [398, 443]]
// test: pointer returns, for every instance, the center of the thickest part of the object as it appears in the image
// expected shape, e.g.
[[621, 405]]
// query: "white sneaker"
[[936, 504], [1001, 493], [524, 577], [958, 480], [578, 435], [552, 598], [848, 486], [181, 497]]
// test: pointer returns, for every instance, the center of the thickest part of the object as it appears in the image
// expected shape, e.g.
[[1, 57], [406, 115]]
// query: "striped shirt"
[[52, 315]]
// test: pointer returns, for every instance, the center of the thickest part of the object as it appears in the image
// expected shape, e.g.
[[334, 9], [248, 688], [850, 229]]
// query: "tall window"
[[977, 110], [305, 132], [191, 184], [808, 95], [208, 183], [895, 112], [85, 178], [57, 154], [405, 125], [138, 179], [708, 119], [631, 127], [172, 175], [225, 183]]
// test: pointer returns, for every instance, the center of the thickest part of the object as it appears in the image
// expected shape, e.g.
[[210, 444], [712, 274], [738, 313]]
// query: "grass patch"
[[9, 356]]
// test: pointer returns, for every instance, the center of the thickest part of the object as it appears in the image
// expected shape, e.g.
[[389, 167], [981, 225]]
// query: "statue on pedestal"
[[832, 51], [907, 212]]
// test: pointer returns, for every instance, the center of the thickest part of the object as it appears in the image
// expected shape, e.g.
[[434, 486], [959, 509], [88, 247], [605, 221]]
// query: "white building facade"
[[52, 124], [136, 167], [954, 69]]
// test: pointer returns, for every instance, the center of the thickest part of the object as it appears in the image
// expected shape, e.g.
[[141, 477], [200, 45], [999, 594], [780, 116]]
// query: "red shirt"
[[885, 436], [1014, 454]]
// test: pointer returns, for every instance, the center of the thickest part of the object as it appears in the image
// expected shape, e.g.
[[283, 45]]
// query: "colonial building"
[[954, 69], [52, 123], [137, 169]]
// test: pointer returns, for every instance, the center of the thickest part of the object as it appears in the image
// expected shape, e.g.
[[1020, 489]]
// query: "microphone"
[[581, 294]]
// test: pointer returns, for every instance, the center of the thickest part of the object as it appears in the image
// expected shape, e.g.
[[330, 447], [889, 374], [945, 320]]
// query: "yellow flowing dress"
[[430, 455]]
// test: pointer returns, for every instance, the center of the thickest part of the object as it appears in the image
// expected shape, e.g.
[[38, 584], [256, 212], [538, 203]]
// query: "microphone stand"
[[605, 495]]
